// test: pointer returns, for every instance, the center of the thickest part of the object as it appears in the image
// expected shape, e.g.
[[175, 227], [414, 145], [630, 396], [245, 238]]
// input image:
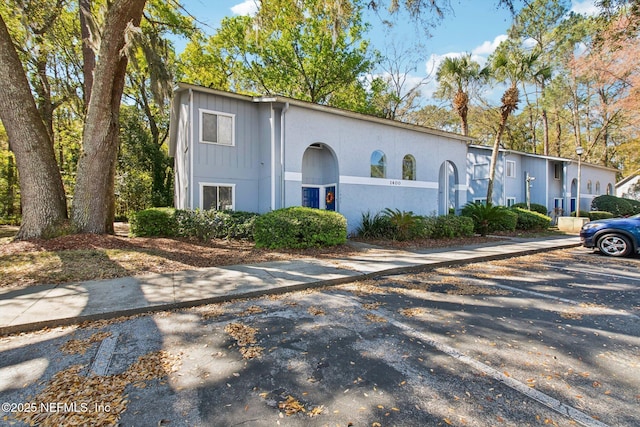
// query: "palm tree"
[[457, 78], [513, 66]]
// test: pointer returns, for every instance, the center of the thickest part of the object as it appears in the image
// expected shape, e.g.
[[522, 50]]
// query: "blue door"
[[311, 197], [330, 198]]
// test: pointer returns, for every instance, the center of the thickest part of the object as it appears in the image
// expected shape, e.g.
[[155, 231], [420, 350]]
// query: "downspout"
[[191, 149], [566, 190], [273, 160], [282, 158], [546, 185]]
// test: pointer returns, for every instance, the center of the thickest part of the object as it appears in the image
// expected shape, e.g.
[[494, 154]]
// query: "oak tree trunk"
[[42, 193], [93, 207]]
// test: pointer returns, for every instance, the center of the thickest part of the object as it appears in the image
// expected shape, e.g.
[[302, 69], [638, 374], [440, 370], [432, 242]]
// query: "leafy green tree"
[[309, 50], [436, 117], [9, 190], [144, 176]]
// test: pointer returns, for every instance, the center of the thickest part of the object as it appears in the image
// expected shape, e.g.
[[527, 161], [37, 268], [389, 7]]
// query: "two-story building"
[[545, 180], [263, 153]]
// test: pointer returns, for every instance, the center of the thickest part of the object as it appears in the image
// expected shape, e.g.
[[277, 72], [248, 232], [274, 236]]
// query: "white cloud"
[[584, 7], [488, 47], [246, 8]]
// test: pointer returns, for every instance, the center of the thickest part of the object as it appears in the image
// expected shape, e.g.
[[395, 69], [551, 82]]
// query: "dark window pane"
[[209, 127]]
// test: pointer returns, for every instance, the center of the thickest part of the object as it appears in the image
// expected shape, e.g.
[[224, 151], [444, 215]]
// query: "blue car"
[[617, 237]]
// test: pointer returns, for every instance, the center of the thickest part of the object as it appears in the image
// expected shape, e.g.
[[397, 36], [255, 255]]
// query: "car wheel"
[[614, 245]]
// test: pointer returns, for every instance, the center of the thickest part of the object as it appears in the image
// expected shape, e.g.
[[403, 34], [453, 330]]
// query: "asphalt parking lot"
[[546, 339]]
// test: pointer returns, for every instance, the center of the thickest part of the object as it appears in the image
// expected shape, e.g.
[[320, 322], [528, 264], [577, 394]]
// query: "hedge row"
[[617, 206], [295, 227], [204, 225], [593, 215]]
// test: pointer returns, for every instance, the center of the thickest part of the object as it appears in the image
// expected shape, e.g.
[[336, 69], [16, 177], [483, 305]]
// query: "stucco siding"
[[350, 143]]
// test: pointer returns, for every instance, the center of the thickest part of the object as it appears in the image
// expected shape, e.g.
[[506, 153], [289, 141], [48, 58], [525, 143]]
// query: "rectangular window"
[[218, 197], [511, 169], [480, 200], [511, 201], [557, 171], [217, 128], [481, 171]]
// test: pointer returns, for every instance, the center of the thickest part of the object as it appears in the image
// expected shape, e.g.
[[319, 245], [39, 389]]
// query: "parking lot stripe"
[[596, 273], [611, 311], [550, 402]]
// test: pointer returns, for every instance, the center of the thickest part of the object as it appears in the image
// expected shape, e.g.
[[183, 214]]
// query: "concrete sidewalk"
[[35, 307]]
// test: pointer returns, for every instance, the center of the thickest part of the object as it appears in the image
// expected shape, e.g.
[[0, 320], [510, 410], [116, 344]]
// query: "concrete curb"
[[74, 320]]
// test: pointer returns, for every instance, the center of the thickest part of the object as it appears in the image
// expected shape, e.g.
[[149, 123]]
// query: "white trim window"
[[511, 169], [219, 197], [481, 171], [480, 200], [511, 201], [217, 128]]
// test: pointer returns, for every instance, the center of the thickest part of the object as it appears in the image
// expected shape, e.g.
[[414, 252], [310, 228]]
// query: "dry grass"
[[83, 257], [91, 257]]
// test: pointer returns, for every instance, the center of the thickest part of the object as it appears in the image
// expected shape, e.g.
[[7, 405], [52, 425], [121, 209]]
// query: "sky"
[[474, 26]]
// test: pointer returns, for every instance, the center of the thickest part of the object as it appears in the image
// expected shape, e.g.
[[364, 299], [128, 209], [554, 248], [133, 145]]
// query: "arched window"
[[378, 164], [598, 188], [589, 187], [409, 168]]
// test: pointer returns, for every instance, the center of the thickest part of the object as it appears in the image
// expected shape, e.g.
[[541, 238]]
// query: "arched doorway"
[[320, 177], [447, 188]]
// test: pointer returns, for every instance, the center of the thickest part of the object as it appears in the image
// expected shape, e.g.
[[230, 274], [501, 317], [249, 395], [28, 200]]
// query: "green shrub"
[[376, 226], [11, 220], [300, 227], [530, 220], [593, 215], [535, 207], [616, 205], [210, 224], [488, 218], [635, 204], [506, 221], [154, 222], [450, 226]]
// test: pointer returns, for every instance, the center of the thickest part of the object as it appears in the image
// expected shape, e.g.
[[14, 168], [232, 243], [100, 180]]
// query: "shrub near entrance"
[[530, 220], [299, 227]]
